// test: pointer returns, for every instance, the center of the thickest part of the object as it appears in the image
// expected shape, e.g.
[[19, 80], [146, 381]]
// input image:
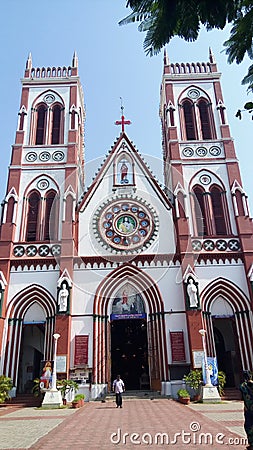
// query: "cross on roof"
[[122, 122]]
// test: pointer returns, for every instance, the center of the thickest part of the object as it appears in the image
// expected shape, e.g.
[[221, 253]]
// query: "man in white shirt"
[[118, 387]]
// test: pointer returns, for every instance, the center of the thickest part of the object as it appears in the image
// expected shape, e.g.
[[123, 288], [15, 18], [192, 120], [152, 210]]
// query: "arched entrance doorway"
[[31, 355], [229, 331], [227, 349], [226, 341], [28, 340], [129, 343], [129, 352], [107, 304], [31, 347]]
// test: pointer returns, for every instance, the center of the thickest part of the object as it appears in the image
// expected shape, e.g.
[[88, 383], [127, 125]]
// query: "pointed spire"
[[166, 58], [211, 56], [75, 60], [29, 62]]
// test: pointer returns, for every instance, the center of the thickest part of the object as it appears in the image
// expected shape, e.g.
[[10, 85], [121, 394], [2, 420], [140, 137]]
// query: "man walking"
[[118, 387]]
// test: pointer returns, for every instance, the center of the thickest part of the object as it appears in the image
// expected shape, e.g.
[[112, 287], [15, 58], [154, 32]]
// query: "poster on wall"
[[46, 370], [198, 356], [61, 363], [81, 350], [128, 304], [177, 346]]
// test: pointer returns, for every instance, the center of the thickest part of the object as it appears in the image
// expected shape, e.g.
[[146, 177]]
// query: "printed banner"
[[213, 369], [46, 370]]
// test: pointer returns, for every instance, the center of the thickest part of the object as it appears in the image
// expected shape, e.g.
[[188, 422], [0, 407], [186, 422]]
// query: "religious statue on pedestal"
[[63, 295]]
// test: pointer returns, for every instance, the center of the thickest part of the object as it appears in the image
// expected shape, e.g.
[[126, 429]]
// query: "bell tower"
[[211, 213], [46, 177]]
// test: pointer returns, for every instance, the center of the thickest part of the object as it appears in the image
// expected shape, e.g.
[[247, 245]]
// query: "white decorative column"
[[53, 398]]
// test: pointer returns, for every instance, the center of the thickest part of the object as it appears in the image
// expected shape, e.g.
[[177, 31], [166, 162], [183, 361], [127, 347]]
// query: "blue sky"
[[112, 64]]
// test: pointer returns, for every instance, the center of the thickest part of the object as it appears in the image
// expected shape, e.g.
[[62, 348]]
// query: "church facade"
[[129, 269]]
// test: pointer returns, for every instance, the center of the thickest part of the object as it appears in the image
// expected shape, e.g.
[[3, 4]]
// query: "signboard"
[[81, 350], [61, 363], [177, 346], [128, 316], [198, 356]]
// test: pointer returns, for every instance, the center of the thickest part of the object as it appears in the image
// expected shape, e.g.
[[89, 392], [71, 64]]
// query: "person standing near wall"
[[118, 387], [246, 389]]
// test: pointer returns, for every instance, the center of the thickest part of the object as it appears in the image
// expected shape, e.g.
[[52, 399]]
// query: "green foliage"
[[240, 41], [79, 397], [183, 393], [221, 381], [36, 387], [247, 107], [5, 386], [193, 378], [65, 386], [164, 19]]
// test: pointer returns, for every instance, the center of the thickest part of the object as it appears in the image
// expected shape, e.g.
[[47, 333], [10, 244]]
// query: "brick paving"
[[102, 426]]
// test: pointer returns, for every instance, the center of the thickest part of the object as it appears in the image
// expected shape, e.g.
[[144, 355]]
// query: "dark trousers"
[[248, 426], [119, 399]]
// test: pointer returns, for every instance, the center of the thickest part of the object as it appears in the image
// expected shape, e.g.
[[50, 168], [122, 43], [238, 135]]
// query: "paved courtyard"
[[145, 423]]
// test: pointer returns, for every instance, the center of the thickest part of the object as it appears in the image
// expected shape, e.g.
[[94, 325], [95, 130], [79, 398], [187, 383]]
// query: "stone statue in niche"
[[63, 298], [192, 292], [124, 175]]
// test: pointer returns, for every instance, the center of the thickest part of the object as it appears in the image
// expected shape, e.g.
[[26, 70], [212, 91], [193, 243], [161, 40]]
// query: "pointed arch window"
[[10, 210], [50, 218], [41, 125], [69, 208], [205, 119], [33, 217], [197, 118], [200, 211], [181, 204], [218, 210], [239, 203], [47, 120], [56, 122], [189, 120]]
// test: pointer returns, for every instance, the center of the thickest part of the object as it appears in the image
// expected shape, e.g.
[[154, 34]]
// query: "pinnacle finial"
[[166, 58], [211, 56], [29, 61], [75, 60]]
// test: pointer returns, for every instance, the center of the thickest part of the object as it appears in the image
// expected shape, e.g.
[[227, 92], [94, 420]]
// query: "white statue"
[[63, 298], [192, 292]]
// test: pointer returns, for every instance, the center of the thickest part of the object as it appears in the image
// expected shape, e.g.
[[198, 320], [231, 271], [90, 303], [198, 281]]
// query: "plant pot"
[[75, 404], [184, 400]]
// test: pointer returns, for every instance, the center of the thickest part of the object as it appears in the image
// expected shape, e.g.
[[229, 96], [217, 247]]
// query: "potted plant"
[[193, 379], [5, 386], [78, 401], [65, 386], [221, 382], [183, 396]]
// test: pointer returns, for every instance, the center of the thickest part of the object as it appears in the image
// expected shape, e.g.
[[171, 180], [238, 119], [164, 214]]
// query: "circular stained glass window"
[[125, 225]]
